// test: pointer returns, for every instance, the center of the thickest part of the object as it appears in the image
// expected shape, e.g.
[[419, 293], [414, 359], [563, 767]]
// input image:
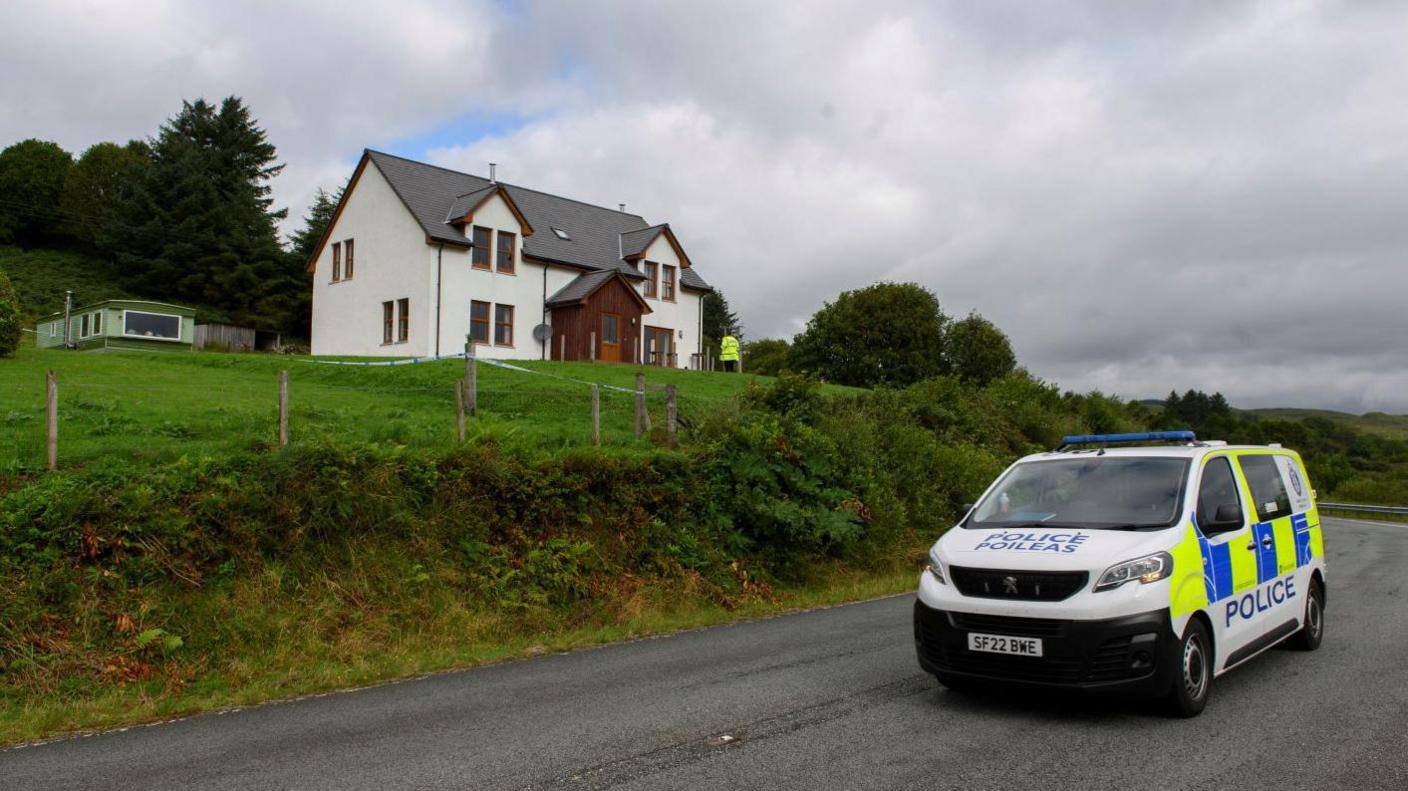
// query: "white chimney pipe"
[[493, 168]]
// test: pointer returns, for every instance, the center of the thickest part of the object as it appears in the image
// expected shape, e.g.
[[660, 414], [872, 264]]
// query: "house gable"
[[493, 200]]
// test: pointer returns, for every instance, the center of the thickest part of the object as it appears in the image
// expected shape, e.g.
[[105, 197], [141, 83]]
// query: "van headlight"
[[936, 568], [1150, 568]]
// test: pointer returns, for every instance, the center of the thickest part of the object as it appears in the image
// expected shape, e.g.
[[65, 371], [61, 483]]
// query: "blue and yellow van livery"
[[1132, 562]]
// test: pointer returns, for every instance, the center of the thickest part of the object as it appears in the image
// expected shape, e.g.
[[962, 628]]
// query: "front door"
[[610, 338]]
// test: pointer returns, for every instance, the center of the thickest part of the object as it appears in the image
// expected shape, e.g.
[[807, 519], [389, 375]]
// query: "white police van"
[[1146, 563]]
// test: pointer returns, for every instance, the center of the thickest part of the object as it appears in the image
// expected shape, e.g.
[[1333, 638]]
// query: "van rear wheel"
[[1192, 663]]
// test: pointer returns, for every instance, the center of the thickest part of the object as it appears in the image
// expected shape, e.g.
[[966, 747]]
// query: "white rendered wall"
[[682, 315], [391, 262], [524, 290]]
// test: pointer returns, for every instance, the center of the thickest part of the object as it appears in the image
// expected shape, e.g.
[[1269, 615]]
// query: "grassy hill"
[[153, 407], [42, 276]]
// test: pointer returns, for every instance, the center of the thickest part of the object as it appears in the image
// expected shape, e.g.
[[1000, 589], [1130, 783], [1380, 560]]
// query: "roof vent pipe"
[[493, 169], [621, 206]]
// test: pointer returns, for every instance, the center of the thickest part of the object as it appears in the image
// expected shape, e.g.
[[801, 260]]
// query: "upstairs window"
[[388, 321], [506, 250], [667, 283], [479, 254], [479, 321], [503, 325], [403, 323], [347, 266], [336, 261], [652, 279]]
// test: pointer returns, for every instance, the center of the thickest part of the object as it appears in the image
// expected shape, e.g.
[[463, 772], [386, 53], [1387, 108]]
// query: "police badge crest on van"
[[1148, 563]]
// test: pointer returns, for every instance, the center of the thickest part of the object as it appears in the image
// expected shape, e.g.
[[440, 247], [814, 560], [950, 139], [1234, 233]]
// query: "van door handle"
[[1251, 545]]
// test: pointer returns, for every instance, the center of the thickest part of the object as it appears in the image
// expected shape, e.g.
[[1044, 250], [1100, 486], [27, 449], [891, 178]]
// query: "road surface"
[[824, 699]]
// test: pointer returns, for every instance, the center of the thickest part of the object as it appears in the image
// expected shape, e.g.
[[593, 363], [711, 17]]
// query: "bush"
[[9, 318]]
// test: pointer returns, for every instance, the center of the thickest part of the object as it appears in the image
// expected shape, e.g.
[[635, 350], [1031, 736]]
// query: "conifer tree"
[[201, 227]]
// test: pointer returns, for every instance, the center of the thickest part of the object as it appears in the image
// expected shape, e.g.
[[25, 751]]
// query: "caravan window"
[[157, 326]]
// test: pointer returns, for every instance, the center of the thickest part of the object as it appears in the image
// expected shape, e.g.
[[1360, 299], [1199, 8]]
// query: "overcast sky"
[[1145, 196]]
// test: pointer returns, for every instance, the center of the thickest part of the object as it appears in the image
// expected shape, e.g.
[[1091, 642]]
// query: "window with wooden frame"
[[347, 265], [505, 251], [503, 325], [479, 254], [667, 283], [652, 279], [403, 320], [479, 321], [336, 261], [388, 318]]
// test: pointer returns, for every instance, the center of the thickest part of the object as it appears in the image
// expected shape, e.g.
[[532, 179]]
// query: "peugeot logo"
[[1009, 586]]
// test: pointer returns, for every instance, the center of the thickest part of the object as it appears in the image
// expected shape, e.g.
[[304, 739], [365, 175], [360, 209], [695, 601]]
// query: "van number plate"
[[1002, 644]]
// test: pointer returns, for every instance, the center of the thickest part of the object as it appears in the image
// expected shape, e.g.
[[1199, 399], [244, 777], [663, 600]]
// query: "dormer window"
[[652, 278], [561, 234]]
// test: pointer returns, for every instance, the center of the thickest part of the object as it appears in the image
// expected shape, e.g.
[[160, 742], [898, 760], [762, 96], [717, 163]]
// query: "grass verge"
[[457, 638]]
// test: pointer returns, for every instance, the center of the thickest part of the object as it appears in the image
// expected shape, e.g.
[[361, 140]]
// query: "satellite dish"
[[542, 332]]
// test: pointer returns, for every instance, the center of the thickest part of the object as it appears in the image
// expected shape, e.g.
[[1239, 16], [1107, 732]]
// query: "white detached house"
[[417, 257]]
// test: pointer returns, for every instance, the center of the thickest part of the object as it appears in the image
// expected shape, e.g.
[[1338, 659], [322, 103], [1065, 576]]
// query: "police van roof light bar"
[[1147, 436]]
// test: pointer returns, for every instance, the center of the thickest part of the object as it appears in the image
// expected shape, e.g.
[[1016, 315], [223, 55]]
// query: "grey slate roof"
[[431, 193], [465, 203], [580, 287], [635, 242]]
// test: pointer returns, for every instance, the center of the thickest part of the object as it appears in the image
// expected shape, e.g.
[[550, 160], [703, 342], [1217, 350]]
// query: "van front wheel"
[[1192, 677]]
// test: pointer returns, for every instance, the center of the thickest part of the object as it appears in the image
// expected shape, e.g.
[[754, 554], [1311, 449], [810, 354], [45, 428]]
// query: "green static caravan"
[[122, 324]]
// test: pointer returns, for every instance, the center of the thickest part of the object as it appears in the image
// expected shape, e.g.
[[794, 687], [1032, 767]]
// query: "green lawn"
[[147, 407]]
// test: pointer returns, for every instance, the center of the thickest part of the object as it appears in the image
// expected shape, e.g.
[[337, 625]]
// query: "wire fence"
[[202, 410]]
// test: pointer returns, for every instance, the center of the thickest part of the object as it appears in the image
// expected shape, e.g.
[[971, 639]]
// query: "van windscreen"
[[1099, 492]]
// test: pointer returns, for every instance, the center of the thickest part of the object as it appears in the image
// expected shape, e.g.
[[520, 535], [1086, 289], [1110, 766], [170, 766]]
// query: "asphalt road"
[[824, 699]]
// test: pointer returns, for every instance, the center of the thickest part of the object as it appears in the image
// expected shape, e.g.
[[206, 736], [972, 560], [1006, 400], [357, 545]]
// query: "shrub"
[[9, 318]]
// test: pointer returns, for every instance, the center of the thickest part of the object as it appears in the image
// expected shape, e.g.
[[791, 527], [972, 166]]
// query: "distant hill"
[[41, 277], [1392, 426]]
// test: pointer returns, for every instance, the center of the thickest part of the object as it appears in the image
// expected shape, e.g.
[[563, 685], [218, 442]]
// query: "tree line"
[[892, 334], [185, 215]]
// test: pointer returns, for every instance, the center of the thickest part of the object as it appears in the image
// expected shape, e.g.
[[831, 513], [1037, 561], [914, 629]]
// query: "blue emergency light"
[[1147, 436]]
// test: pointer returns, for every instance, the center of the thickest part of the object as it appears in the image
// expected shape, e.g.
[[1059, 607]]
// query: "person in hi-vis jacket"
[[728, 352]]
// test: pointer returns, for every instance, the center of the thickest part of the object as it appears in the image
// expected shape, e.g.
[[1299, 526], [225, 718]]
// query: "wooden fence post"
[[596, 415], [459, 409], [640, 404], [672, 415], [51, 416], [562, 348], [283, 408], [471, 378], [593, 351]]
